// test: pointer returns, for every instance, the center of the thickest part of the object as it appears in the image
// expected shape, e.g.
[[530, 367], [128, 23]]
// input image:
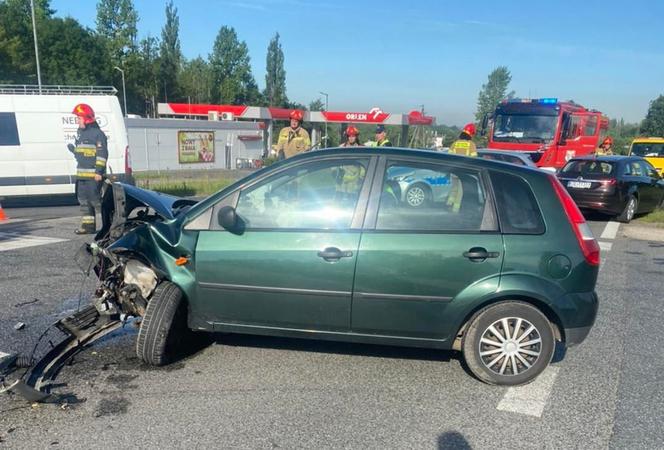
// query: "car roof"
[[607, 158], [414, 152]]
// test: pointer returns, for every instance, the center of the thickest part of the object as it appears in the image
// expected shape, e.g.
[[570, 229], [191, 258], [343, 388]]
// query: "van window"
[[8, 130], [517, 207]]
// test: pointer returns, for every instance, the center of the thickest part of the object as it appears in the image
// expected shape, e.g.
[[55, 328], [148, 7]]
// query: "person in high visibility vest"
[[352, 137], [350, 177], [91, 152], [381, 137], [293, 139], [606, 147], [464, 145]]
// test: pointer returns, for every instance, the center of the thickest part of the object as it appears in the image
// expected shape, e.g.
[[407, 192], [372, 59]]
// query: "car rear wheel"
[[509, 343], [630, 210], [164, 331], [418, 195]]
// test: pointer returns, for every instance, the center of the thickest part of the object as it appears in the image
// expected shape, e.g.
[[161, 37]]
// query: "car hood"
[[120, 199]]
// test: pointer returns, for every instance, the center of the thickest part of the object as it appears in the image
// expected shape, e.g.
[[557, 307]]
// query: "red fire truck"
[[552, 132]]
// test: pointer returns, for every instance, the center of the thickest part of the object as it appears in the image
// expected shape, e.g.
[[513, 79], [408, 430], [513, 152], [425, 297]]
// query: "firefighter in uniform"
[[349, 178], [606, 147], [91, 153], [463, 146], [293, 139]]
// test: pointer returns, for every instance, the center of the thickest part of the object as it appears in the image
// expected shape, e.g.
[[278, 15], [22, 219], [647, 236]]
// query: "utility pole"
[[124, 91], [326, 108], [34, 33]]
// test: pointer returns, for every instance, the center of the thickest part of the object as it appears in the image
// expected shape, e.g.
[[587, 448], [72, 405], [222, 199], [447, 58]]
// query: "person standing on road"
[[91, 153], [293, 139], [381, 137], [352, 137], [606, 147], [464, 145]]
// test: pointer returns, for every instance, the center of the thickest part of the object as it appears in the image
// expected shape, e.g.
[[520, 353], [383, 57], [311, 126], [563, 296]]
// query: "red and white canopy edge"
[[373, 116]]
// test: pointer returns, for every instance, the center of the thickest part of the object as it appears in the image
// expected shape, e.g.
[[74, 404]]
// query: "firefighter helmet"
[[607, 141], [470, 129], [352, 131], [84, 111], [296, 114]]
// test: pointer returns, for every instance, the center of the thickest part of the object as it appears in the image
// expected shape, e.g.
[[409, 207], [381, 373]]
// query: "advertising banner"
[[195, 147]]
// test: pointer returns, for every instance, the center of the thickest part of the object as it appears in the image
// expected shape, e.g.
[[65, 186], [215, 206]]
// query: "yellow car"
[[650, 148]]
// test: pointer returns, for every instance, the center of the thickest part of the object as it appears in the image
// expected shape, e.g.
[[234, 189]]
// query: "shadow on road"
[[453, 440]]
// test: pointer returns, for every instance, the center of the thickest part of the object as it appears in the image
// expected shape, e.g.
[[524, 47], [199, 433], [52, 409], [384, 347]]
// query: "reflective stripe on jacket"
[[91, 152]]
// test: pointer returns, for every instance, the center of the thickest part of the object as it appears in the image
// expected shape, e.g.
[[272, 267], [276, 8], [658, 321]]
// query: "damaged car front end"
[[140, 247]]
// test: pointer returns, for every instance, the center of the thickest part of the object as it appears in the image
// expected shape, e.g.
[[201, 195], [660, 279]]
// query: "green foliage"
[[317, 105], [170, 55], [493, 92], [653, 124], [196, 81], [231, 70], [275, 76], [117, 23]]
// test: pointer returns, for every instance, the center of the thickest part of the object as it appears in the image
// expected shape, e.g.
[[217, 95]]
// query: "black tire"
[[514, 313], [164, 331], [631, 207], [418, 195]]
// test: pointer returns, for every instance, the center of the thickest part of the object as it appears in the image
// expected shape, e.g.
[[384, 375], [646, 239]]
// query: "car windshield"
[[524, 128], [647, 149], [587, 168]]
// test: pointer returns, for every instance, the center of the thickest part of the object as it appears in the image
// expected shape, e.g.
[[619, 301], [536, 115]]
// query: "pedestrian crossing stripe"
[[15, 241]]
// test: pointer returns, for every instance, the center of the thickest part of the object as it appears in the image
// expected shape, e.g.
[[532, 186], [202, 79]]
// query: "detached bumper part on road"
[[587, 304]]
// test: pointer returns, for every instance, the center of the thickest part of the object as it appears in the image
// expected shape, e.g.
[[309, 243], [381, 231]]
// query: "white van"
[[35, 128]]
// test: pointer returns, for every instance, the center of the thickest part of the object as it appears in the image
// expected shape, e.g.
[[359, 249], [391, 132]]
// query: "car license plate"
[[579, 184]]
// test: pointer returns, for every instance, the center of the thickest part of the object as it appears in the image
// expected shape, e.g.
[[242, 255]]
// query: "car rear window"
[[518, 210], [588, 168], [8, 130]]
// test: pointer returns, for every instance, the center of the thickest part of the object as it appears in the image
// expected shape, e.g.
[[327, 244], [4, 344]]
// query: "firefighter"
[[293, 139], [464, 145], [606, 147], [91, 152], [381, 137], [352, 137]]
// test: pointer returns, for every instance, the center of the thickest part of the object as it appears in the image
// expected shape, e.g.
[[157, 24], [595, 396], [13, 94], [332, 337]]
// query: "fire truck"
[[551, 132]]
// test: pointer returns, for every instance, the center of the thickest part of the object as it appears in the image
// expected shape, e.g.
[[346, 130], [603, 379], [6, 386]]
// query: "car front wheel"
[[164, 331], [630, 210], [418, 195], [508, 343]]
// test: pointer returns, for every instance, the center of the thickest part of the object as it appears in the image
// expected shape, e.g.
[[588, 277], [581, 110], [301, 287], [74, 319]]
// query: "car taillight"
[[128, 170], [584, 235], [610, 182]]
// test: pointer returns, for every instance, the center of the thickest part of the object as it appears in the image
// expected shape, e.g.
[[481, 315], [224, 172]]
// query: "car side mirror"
[[229, 220]]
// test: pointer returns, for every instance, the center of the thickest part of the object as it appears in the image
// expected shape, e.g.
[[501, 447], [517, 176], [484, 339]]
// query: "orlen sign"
[[375, 115]]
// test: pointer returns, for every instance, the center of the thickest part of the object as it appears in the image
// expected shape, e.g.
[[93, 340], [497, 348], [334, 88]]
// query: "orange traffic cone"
[[3, 216]]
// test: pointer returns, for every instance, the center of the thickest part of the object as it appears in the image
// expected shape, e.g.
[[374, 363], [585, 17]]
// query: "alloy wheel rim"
[[415, 196], [510, 346], [631, 207]]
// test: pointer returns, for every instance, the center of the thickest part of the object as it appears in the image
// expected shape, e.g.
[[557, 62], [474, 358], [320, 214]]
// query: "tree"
[[317, 105], [170, 55], [493, 92], [275, 76], [653, 124], [196, 81], [117, 24], [147, 68], [231, 69]]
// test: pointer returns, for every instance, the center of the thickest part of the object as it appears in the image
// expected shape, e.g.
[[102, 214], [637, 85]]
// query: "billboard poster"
[[195, 147]]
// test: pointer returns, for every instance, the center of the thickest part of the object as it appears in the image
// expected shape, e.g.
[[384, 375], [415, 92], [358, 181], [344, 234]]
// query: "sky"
[[399, 55]]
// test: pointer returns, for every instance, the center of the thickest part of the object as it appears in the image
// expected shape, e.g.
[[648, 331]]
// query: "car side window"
[[8, 129], [432, 198], [634, 169], [517, 207], [648, 169], [320, 195]]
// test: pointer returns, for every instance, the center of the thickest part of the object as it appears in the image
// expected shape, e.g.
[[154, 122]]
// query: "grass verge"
[[186, 184], [655, 218]]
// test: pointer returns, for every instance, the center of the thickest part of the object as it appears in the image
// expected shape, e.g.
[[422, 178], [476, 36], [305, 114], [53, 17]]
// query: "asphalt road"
[[259, 392]]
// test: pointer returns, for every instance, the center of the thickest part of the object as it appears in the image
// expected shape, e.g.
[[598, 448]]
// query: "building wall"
[[153, 143]]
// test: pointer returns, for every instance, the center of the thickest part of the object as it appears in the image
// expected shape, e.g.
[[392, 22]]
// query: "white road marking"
[[606, 246], [14, 241], [610, 230], [531, 398]]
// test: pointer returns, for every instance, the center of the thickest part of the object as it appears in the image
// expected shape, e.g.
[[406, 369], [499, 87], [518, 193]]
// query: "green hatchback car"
[[496, 261]]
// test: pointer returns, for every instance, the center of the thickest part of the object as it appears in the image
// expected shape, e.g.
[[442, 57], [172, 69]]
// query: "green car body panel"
[[400, 288]]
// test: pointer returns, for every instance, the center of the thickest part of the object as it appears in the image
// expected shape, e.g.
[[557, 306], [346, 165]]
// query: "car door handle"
[[331, 254], [479, 254]]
